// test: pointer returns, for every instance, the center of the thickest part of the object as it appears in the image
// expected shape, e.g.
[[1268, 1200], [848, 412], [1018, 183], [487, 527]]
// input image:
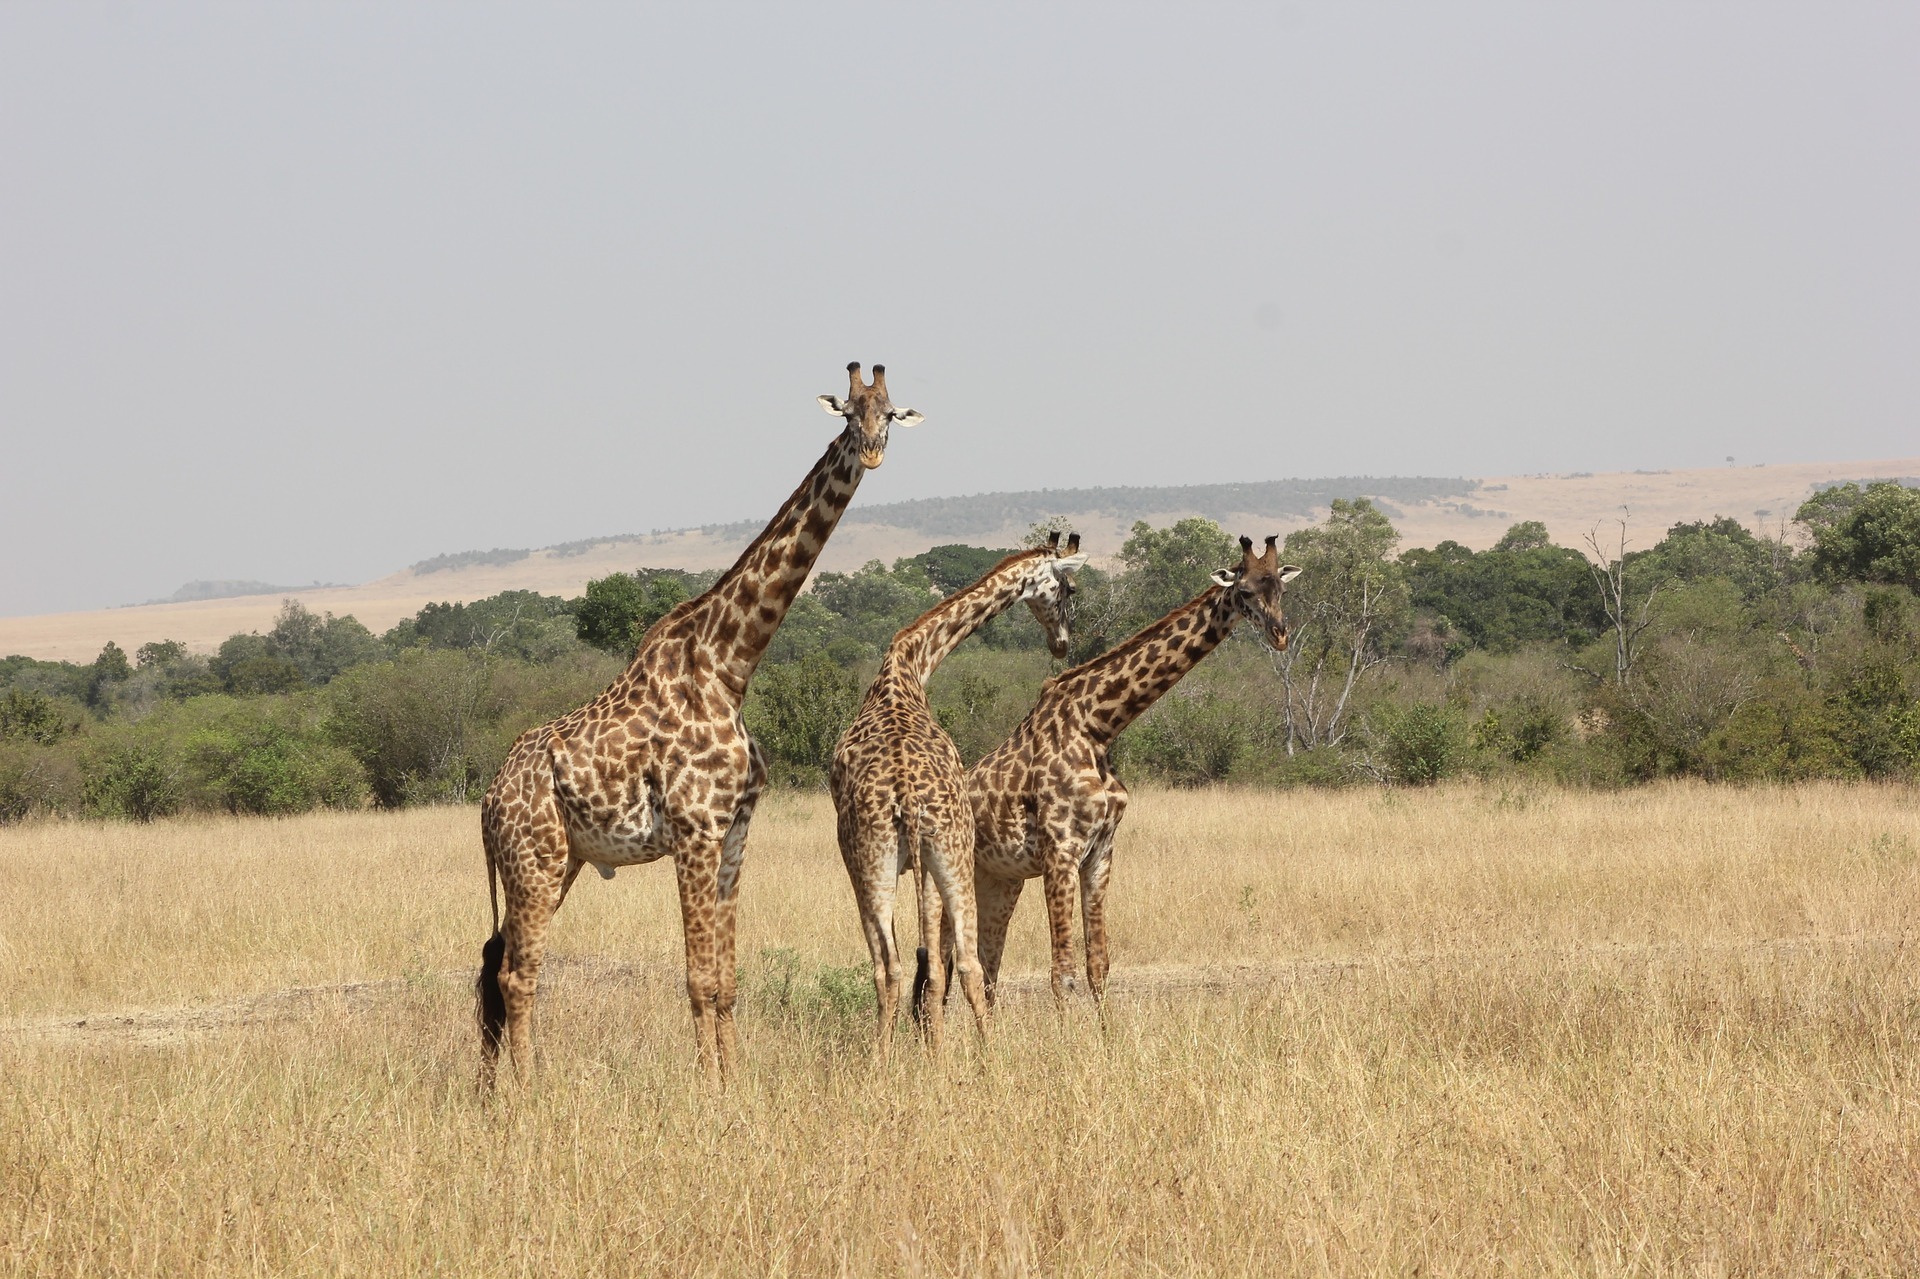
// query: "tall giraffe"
[[900, 790], [660, 765], [1046, 802]]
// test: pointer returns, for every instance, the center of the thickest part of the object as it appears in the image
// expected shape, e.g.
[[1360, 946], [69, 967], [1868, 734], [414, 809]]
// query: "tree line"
[[1713, 653]]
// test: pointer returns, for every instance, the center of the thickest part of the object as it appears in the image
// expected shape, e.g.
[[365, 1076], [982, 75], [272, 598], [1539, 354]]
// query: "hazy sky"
[[310, 292]]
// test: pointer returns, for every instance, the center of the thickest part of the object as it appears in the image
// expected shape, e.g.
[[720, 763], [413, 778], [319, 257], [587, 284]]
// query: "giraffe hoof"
[[606, 872]]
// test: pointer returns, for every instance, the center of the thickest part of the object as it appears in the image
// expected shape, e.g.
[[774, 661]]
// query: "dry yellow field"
[[1470, 1031]]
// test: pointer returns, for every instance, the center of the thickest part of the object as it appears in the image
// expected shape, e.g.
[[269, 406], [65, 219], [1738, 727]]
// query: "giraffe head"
[[1048, 589], [1255, 588], [869, 412]]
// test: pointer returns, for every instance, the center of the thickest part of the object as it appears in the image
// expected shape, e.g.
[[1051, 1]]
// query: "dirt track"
[[160, 1026]]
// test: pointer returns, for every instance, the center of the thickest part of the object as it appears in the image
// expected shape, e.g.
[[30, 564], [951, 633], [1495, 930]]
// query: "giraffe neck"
[[917, 651], [736, 618], [1113, 689]]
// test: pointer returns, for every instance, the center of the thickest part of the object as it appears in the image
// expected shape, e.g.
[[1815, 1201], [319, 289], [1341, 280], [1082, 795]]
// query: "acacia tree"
[[1347, 602]]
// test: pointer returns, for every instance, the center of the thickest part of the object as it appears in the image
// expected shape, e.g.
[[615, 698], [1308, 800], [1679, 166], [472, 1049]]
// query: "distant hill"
[[228, 590], [219, 591], [1425, 511], [989, 514]]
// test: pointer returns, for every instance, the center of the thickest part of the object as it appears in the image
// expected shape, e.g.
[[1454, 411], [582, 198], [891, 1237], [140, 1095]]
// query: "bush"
[[28, 716], [36, 779], [797, 711], [1191, 736], [424, 727], [269, 759], [1418, 744], [133, 777]]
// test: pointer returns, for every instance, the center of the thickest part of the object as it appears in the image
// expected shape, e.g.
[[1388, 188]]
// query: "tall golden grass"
[[1470, 1031]]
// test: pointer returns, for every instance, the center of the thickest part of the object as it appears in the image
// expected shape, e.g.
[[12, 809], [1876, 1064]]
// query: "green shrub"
[[1191, 736], [797, 711], [37, 779], [1418, 744], [133, 777]]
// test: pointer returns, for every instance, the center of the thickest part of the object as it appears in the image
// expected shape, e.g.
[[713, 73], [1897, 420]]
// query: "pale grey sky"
[[313, 291]]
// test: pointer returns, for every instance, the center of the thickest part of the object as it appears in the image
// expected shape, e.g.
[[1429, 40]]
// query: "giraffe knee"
[[517, 988], [703, 992]]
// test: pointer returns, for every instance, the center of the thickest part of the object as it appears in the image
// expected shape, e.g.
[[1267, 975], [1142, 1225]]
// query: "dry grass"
[[1672, 1031]]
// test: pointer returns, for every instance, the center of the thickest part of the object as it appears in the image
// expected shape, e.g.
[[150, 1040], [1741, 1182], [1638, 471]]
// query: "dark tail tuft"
[[920, 979], [489, 1005]]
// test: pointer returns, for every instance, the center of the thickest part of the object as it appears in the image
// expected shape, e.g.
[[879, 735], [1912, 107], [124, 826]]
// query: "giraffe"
[[1046, 802], [660, 764], [899, 789]]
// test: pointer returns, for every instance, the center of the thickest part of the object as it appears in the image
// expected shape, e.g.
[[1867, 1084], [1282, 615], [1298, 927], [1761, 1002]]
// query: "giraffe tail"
[[920, 979], [489, 1005]]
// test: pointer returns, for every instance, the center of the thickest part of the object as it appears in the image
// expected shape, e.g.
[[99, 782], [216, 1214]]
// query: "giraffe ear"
[[907, 417], [1067, 564], [1225, 577], [1288, 572], [834, 405]]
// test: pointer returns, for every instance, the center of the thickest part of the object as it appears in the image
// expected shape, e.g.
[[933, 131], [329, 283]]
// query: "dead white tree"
[[1349, 593], [1627, 619]]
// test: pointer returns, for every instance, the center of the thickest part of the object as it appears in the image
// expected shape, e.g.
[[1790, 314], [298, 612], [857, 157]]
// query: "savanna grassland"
[[1469, 1030]]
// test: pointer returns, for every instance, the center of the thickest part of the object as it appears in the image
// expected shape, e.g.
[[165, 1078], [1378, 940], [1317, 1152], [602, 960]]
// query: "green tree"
[[955, 566], [27, 716], [1521, 592], [110, 670], [1866, 535], [1164, 568], [618, 609], [521, 624], [873, 603], [797, 711]]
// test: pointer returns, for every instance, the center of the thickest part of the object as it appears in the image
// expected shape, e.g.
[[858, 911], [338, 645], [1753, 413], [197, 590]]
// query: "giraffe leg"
[[931, 996], [960, 939], [696, 867], [996, 900], [1093, 909], [529, 913], [874, 865], [1057, 881], [733, 853]]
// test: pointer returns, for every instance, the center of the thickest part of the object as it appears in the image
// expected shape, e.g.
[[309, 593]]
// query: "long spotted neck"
[[1113, 689], [918, 650], [737, 618]]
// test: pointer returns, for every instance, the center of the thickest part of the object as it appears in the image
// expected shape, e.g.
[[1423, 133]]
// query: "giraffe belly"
[[620, 843], [1013, 860]]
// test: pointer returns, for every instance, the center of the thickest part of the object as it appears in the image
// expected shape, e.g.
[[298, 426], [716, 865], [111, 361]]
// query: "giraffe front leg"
[[733, 857], [1093, 910], [1058, 883], [697, 871]]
